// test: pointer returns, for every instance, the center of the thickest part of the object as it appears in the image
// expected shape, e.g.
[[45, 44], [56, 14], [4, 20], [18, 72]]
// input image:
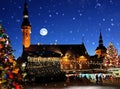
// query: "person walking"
[[100, 79], [96, 79]]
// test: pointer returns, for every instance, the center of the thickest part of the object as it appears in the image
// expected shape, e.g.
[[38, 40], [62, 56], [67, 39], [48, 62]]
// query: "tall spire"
[[100, 39], [101, 49], [26, 27], [25, 15]]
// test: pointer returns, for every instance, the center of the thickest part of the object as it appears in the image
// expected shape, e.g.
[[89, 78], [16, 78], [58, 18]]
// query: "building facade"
[[101, 49], [97, 60], [43, 60], [50, 59]]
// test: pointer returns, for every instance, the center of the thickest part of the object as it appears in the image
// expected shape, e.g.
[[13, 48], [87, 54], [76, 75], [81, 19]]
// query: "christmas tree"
[[111, 59], [9, 71]]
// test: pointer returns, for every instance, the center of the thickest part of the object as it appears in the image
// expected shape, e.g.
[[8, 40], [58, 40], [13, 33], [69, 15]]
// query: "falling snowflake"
[[80, 14], [73, 18], [50, 15], [71, 32], [3, 8], [98, 5], [111, 1], [103, 19], [109, 29], [112, 19], [112, 24], [56, 13], [63, 14], [30, 0], [93, 43], [19, 7], [16, 37], [18, 20], [38, 14], [12, 17], [40, 8]]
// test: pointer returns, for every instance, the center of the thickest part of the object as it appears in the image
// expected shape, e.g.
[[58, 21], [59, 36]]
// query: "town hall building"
[[43, 60]]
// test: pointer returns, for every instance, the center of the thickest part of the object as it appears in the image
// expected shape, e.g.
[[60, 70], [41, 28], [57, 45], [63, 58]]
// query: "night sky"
[[67, 22]]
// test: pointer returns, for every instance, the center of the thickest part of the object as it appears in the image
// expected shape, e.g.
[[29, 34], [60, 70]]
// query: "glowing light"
[[25, 16]]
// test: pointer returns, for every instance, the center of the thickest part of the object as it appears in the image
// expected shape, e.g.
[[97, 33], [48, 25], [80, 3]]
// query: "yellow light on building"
[[82, 59], [65, 60], [25, 16]]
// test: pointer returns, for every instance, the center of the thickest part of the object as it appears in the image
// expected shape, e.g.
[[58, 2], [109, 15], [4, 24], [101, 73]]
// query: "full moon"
[[43, 31]]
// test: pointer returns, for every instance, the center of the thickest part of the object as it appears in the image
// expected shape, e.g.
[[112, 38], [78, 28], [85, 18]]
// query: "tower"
[[26, 27], [101, 49]]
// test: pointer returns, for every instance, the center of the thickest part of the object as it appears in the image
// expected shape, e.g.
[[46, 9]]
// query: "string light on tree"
[[111, 59], [9, 70]]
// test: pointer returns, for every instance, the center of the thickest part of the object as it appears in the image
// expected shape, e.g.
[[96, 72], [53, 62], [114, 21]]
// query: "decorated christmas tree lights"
[[9, 71], [111, 59]]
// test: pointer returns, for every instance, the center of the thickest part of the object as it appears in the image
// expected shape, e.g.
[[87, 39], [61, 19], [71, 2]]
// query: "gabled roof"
[[61, 49], [43, 53]]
